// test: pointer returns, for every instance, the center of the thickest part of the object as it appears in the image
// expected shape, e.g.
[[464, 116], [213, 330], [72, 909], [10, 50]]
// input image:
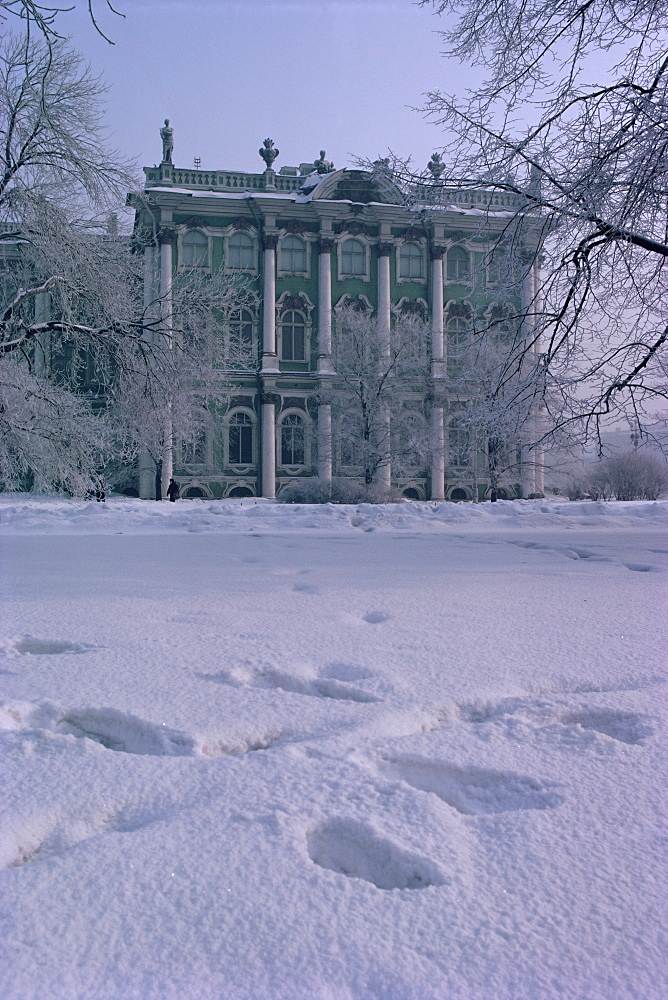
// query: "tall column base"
[[268, 430], [325, 441], [437, 455]]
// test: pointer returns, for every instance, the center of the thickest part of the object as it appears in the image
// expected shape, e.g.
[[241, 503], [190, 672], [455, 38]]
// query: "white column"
[[437, 454], [324, 440], [269, 358], [166, 333], [146, 462], [385, 430], [268, 430], [438, 375], [325, 247], [325, 305], [438, 351]]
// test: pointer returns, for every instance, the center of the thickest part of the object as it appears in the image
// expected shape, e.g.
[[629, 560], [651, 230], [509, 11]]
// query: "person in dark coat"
[[173, 490]]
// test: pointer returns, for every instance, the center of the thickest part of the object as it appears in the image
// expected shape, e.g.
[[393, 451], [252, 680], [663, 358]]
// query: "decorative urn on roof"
[[268, 153]]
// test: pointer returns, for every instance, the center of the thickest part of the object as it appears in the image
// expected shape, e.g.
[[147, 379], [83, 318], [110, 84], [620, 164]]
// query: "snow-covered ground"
[[257, 752]]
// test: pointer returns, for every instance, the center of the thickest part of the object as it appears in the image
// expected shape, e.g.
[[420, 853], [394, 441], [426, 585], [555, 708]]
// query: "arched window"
[[459, 494], [458, 264], [293, 440], [458, 332], [195, 249], [193, 449], [241, 252], [410, 261], [293, 336], [293, 254], [459, 442], [240, 328], [353, 258], [240, 439]]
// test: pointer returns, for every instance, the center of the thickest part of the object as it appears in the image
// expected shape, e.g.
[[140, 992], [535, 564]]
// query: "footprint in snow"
[[355, 849], [473, 791], [376, 617], [125, 733], [314, 687], [31, 646], [625, 727], [39, 840]]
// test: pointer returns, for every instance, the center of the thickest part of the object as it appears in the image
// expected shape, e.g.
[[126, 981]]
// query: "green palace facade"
[[310, 240]]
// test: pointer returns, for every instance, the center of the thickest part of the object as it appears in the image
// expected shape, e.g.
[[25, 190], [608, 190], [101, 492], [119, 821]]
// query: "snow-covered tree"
[[571, 115], [43, 15], [79, 336], [377, 369]]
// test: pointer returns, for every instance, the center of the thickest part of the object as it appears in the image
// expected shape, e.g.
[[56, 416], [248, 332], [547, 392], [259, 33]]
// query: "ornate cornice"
[[352, 226], [293, 226]]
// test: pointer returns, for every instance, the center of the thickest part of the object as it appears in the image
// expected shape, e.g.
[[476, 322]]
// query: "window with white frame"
[[458, 264], [458, 333], [459, 444], [293, 336], [195, 249], [411, 261], [241, 251], [240, 438], [293, 254], [353, 258], [293, 440]]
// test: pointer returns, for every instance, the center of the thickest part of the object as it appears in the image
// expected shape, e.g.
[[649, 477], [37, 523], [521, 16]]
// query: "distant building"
[[311, 239]]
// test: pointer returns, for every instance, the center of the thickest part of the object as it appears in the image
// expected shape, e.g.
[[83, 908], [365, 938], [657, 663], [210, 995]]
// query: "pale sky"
[[339, 75]]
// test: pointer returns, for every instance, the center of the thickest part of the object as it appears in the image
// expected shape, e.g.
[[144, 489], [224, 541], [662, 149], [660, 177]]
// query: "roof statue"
[[268, 153], [436, 166], [322, 165], [167, 136]]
